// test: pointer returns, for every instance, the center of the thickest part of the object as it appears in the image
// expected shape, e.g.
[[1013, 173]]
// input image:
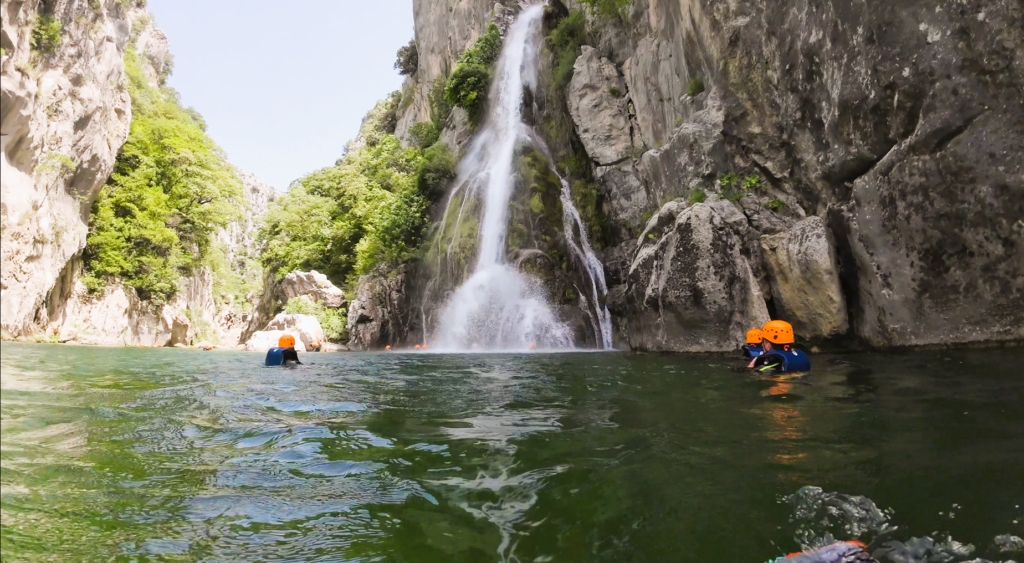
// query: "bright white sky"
[[284, 85]]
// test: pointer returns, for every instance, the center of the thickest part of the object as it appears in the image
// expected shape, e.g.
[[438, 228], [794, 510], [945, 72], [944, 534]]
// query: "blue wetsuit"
[[281, 356], [751, 351], [786, 360]]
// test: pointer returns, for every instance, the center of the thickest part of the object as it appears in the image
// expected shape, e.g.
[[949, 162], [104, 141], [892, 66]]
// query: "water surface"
[[182, 455]]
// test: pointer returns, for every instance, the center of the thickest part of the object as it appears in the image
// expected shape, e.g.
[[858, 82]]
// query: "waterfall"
[[498, 307]]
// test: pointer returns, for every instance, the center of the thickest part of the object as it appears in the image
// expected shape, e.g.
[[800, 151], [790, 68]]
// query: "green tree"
[[468, 84], [171, 190]]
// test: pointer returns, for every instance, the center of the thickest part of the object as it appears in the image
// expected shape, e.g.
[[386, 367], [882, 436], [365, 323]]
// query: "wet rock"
[[315, 285], [376, 316], [597, 103], [305, 328], [801, 265], [690, 287]]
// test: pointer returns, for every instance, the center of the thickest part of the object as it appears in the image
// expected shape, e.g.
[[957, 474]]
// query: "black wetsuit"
[[289, 355]]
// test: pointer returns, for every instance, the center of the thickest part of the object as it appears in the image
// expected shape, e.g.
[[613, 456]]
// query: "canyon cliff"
[[66, 113], [855, 169]]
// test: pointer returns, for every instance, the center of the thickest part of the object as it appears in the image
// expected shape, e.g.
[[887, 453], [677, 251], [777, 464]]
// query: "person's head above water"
[[777, 332], [754, 336], [286, 341]]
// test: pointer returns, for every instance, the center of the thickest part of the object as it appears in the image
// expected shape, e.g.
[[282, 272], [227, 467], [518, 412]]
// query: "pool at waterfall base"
[[134, 454]]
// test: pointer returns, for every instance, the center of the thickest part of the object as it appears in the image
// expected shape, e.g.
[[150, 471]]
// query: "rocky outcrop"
[[65, 114], [264, 340], [315, 285], [239, 237], [377, 315], [690, 286], [305, 327], [801, 265], [443, 30], [897, 130], [597, 103], [116, 317]]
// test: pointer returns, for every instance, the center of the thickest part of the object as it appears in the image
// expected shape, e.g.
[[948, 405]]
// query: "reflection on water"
[[181, 455]]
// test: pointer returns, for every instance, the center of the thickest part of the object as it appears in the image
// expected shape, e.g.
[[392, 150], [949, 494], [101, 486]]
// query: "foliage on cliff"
[[368, 209], [171, 190], [468, 84]]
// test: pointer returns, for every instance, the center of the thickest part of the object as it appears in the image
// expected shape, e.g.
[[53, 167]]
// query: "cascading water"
[[498, 307]]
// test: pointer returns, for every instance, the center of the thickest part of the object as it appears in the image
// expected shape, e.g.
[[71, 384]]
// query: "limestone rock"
[[65, 115], [597, 103], [690, 287], [315, 285], [801, 264], [936, 236], [306, 327], [264, 340], [376, 316], [444, 29], [116, 317], [625, 198]]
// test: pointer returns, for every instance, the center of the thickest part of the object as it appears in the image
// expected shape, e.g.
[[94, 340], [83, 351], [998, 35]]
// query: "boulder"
[[264, 340], [376, 315], [315, 285], [690, 287], [801, 265], [597, 103], [305, 326]]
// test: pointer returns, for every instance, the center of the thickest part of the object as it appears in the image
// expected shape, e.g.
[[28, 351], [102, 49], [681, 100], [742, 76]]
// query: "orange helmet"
[[778, 332], [754, 336], [286, 341]]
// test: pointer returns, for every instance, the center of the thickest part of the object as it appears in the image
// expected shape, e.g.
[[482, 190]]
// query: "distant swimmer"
[[754, 346], [284, 354], [839, 552], [779, 354]]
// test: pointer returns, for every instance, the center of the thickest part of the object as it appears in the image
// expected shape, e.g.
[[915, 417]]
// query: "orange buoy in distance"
[[417, 346], [388, 347], [424, 346]]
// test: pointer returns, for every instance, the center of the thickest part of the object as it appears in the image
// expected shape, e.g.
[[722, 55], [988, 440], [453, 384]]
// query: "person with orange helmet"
[[754, 346], [779, 353], [284, 353]]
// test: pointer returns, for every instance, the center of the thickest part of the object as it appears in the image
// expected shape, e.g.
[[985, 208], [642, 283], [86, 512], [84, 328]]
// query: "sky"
[[283, 85]]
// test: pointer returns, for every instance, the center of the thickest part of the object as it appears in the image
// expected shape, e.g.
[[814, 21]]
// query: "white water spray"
[[499, 308]]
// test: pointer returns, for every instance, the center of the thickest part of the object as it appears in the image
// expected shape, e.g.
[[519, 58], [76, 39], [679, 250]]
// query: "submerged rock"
[[801, 265]]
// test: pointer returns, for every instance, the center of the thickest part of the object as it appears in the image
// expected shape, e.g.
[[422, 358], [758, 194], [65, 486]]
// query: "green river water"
[[182, 455]]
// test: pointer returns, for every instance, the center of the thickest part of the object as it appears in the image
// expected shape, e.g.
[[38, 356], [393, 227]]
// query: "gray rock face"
[[443, 31], [801, 265], [597, 104], [690, 288], [625, 198], [315, 285], [902, 124], [377, 314], [64, 119]]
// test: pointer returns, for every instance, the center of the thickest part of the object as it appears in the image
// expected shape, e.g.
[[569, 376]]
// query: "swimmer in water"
[[779, 354]]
